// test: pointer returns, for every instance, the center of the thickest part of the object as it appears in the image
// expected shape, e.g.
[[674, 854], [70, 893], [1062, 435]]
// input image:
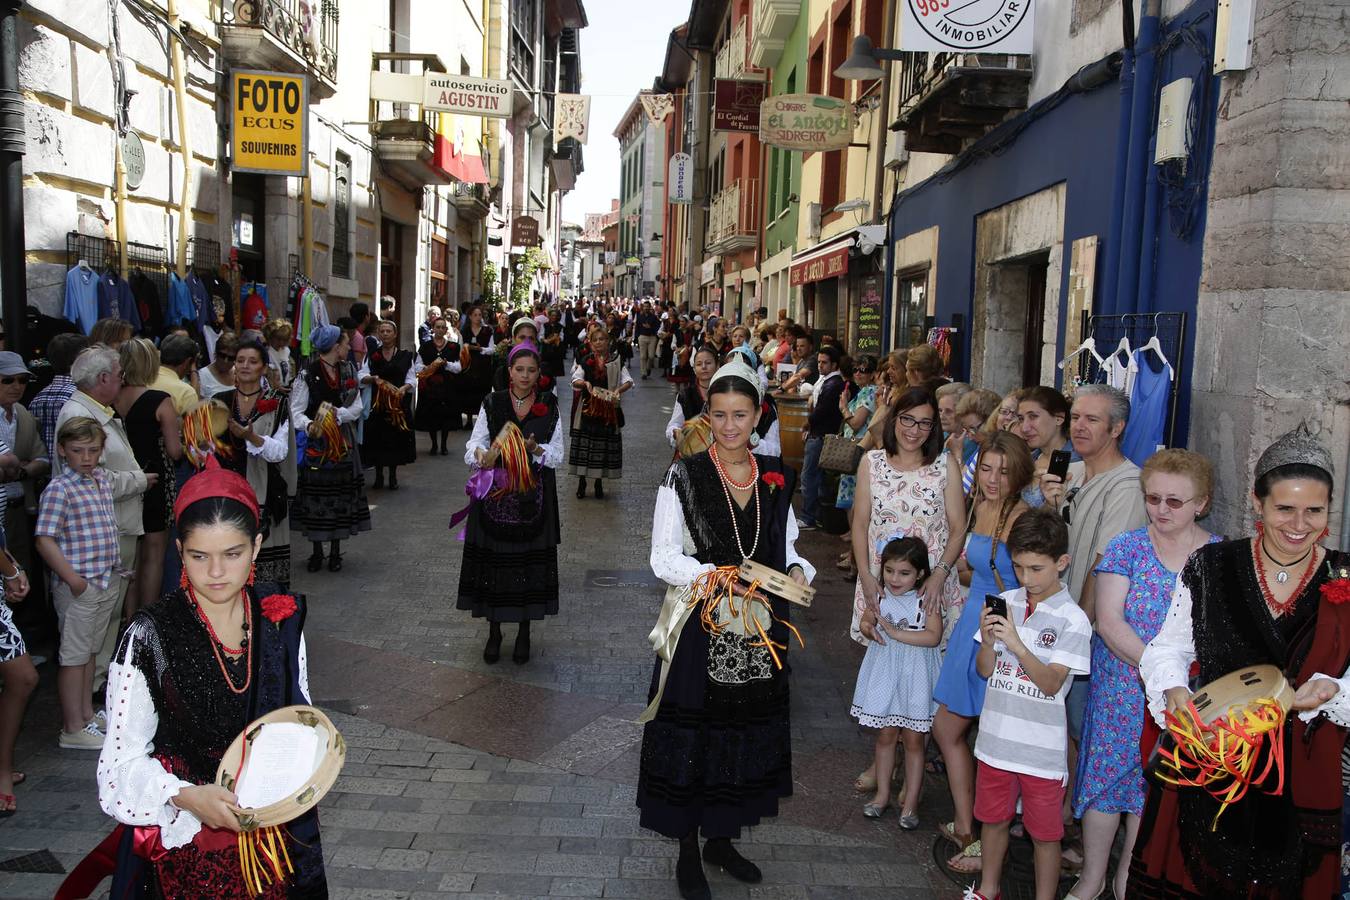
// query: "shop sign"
[[869, 317], [525, 232], [989, 26], [680, 178], [708, 271], [736, 105], [464, 94], [808, 122], [133, 159], [268, 122], [827, 265], [611, 257]]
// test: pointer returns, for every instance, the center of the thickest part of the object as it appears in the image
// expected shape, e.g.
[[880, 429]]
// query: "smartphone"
[[996, 604], [1059, 463]]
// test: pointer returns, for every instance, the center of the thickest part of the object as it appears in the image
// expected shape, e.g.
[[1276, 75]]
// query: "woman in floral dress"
[[909, 488], [1135, 580]]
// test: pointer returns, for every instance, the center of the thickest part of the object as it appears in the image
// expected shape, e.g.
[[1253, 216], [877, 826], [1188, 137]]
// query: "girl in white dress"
[[895, 682]]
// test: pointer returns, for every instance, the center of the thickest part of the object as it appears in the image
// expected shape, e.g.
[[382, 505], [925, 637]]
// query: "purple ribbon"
[[481, 483]]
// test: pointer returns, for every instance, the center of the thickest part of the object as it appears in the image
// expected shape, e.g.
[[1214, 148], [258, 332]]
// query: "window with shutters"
[[342, 216]]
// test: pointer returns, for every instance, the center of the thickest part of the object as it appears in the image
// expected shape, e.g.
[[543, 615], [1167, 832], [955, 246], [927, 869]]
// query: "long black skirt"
[[597, 450], [330, 502], [512, 581], [386, 444], [717, 757]]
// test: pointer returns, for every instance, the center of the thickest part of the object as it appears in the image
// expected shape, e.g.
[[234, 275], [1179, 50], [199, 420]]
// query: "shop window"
[[911, 308], [840, 44], [440, 279], [342, 216]]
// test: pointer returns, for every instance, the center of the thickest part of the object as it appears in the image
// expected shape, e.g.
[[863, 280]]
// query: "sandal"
[[948, 831], [1070, 866], [968, 861]]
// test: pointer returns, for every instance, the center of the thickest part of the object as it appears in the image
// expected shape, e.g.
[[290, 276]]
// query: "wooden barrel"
[[791, 421]]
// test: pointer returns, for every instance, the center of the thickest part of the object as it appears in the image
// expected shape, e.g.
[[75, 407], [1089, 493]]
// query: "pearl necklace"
[[723, 480]]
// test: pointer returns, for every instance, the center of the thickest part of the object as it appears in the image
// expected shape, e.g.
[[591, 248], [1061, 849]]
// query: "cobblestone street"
[[468, 779]]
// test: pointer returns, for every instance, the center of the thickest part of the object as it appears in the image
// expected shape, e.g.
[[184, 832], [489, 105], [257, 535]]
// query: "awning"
[[828, 260], [462, 166]]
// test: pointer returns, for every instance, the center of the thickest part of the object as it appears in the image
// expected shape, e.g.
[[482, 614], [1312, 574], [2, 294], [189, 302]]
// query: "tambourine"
[[695, 437], [1236, 692], [323, 769], [776, 583]]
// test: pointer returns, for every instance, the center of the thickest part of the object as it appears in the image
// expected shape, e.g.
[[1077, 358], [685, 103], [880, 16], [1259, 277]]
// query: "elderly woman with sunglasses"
[[1135, 580], [218, 377]]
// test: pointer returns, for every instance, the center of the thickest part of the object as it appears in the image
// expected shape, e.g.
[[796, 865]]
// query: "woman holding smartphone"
[[1043, 422], [1003, 470]]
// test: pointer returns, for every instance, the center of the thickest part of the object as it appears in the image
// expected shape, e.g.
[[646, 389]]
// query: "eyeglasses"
[[908, 421], [10, 379], [1007, 413], [1172, 502]]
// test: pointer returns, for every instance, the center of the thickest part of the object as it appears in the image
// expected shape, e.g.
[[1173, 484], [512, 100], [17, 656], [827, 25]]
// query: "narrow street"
[[469, 779]]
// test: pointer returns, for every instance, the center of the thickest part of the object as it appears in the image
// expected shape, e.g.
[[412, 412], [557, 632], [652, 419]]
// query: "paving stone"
[[577, 887], [403, 859], [500, 863], [647, 867]]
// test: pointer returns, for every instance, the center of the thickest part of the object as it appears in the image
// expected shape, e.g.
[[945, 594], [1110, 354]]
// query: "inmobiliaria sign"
[[807, 122], [490, 97], [989, 26]]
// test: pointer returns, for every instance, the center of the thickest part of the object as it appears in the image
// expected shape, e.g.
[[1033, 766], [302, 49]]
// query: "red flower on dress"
[[278, 606], [266, 405], [774, 480], [545, 381], [1337, 591], [764, 407], [538, 409], [349, 384]]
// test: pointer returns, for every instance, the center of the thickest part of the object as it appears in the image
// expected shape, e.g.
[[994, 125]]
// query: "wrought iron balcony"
[[949, 99], [733, 221], [286, 36], [471, 200]]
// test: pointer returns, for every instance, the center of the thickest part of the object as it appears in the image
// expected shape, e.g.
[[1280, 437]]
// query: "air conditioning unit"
[[813, 221], [897, 154]]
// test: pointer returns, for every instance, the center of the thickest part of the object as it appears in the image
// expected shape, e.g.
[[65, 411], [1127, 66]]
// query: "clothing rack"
[[98, 252], [1106, 331], [152, 262], [203, 255]]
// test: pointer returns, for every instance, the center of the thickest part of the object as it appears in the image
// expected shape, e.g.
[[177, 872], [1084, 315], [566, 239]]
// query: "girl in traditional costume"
[[717, 747], [1278, 598], [259, 441], [392, 373], [691, 401], [192, 670], [479, 341], [439, 364], [330, 501], [510, 567], [600, 378]]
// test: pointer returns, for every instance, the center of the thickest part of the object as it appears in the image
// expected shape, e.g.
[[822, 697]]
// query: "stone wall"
[[1273, 319]]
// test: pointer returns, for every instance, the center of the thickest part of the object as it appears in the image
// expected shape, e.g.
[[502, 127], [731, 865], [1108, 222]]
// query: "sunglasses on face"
[[1172, 502], [1067, 512], [908, 421], [10, 379]]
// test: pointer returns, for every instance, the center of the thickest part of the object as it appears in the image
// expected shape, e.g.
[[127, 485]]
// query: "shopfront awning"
[[829, 260]]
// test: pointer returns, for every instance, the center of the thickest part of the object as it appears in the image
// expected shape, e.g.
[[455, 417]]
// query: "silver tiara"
[[1296, 447]]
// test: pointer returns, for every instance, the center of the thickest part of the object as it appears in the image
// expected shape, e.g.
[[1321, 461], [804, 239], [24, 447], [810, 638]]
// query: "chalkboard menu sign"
[[869, 317]]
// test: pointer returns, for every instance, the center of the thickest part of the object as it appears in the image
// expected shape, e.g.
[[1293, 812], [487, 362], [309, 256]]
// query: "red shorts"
[[996, 793]]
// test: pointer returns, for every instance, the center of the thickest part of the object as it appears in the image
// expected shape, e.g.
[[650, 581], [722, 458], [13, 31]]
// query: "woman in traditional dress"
[[438, 410], [597, 420], [477, 338], [260, 441], [552, 350], [330, 501], [388, 433], [691, 401], [192, 670], [683, 351], [510, 567], [1278, 598], [717, 746]]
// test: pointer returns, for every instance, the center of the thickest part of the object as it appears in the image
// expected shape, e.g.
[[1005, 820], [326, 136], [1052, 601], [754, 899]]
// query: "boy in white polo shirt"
[[1023, 743]]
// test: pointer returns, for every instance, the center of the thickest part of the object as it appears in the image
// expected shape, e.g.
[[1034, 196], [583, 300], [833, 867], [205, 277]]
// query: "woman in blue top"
[[1003, 470], [1043, 422]]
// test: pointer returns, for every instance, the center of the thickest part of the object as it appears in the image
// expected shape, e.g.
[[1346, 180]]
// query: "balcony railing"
[[771, 24], [310, 31], [733, 223], [948, 99], [733, 59]]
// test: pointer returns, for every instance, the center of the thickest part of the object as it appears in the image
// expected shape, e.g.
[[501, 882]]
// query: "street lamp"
[[864, 63]]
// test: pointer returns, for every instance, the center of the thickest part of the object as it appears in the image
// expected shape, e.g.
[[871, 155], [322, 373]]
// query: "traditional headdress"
[[325, 337], [1297, 447], [523, 322], [738, 369], [751, 358], [214, 481], [522, 347]]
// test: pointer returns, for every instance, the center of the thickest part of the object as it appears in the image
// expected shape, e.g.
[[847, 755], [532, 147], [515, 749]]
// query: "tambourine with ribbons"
[[289, 794]]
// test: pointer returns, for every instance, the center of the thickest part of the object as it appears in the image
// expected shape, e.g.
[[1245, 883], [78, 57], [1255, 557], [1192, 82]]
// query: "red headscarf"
[[213, 481]]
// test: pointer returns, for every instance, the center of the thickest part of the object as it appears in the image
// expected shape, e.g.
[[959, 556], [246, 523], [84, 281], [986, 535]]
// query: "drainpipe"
[[1145, 300], [1138, 163], [184, 139], [13, 283]]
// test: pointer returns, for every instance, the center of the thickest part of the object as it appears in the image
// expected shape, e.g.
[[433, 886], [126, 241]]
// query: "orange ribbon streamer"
[[335, 443], [1223, 757], [389, 402], [262, 858], [514, 460], [199, 437], [710, 589]]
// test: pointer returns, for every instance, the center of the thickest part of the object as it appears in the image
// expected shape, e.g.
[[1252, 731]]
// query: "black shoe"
[[689, 877], [599, 489], [335, 562], [720, 852], [492, 651], [581, 489], [521, 654], [378, 484], [393, 483], [444, 450], [315, 562]]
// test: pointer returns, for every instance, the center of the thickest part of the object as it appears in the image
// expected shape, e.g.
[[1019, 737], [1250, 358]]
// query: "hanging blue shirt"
[[81, 298], [1146, 429], [180, 303], [115, 300]]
